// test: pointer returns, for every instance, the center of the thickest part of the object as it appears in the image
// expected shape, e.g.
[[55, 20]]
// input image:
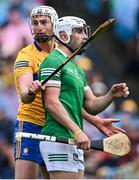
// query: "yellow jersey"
[[28, 61]]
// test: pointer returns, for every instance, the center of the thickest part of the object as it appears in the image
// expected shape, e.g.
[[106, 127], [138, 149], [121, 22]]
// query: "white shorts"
[[62, 157]]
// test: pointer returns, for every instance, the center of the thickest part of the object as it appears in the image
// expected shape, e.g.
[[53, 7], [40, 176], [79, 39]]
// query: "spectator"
[[15, 35]]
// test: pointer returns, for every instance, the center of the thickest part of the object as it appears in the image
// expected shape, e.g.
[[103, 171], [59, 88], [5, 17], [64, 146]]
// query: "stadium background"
[[112, 57]]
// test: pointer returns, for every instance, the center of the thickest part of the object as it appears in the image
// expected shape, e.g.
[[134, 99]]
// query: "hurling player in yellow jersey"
[[30, 116]]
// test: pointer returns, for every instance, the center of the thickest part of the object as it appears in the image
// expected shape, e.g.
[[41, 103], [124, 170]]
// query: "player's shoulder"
[[53, 58], [27, 49], [25, 53]]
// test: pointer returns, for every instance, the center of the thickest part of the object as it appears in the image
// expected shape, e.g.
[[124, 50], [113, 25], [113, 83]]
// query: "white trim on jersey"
[[53, 83], [61, 52], [86, 88]]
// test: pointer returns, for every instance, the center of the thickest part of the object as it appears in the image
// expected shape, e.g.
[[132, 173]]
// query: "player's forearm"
[[99, 103], [24, 83], [59, 113]]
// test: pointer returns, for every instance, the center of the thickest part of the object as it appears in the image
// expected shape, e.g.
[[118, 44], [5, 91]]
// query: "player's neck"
[[65, 50], [47, 46]]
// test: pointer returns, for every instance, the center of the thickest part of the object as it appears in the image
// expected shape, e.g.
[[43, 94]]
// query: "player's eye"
[[44, 22], [79, 30], [35, 23]]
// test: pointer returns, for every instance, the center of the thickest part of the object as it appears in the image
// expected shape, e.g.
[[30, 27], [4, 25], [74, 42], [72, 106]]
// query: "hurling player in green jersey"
[[65, 94]]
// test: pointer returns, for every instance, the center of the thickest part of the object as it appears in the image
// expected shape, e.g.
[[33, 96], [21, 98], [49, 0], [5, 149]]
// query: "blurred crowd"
[[15, 34]]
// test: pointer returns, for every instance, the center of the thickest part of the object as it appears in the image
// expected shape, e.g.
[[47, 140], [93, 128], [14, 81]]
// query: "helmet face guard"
[[42, 11], [87, 30]]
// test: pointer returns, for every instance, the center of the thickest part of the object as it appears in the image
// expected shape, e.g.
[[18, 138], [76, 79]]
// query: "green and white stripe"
[[21, 64], [48, 72], [57, 157]]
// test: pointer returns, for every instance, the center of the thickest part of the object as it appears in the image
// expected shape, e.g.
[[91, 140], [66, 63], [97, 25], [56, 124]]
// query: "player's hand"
[[119, 90], [82, 141], [107, 128], [35, 87]]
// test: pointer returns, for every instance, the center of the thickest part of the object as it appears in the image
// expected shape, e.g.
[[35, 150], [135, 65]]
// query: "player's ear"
[[63, 36]]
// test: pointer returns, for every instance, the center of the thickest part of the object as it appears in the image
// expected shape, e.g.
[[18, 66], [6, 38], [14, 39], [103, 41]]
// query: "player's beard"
[[76, 45]]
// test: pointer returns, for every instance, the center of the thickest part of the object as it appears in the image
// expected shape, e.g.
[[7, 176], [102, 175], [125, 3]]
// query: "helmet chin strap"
[[66, 45], [43, 38]]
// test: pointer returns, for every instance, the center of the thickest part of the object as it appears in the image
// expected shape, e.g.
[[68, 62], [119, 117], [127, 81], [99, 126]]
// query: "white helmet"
[[43, 11], [67, 24]]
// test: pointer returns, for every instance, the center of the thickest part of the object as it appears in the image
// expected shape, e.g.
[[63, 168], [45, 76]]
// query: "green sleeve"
[[49, 65]]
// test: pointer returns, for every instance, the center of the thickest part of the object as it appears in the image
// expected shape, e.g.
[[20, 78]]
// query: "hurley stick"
[[118, 144]]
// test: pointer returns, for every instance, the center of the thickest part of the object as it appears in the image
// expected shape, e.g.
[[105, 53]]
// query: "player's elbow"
[[90, 108], [94, 112], [26, 99]]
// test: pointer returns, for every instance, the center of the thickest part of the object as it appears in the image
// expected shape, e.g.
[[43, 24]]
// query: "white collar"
[[61, 52]]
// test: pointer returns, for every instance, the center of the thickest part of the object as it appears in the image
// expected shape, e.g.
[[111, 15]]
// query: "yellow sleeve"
[[23, 64]]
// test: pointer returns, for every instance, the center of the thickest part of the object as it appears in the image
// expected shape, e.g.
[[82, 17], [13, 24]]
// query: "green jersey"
[[72, 82]]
